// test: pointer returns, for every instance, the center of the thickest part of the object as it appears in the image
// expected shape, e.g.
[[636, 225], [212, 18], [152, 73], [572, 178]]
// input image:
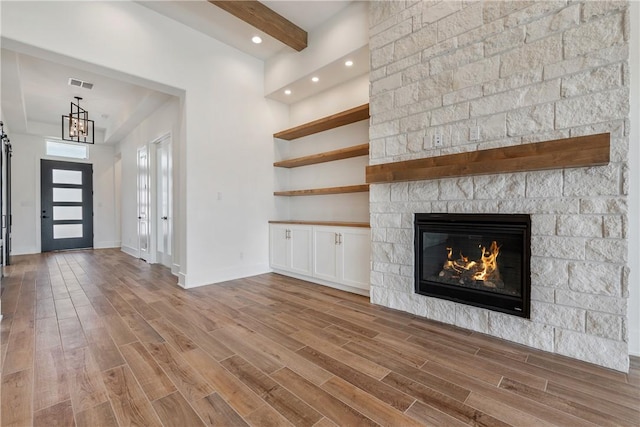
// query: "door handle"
[[44, 216], [164, 217], [139, 217]]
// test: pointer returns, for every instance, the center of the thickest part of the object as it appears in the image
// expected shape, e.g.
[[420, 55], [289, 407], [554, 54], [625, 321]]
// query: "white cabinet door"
[[279, 246], [301, 249], [354, 251], [325, 259]]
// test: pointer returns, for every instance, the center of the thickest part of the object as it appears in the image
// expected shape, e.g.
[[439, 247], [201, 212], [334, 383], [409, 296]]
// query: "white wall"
[[25, 180], [634, 196], [227, 123]]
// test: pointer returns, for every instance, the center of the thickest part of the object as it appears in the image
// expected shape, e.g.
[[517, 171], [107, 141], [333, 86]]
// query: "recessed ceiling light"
[[348, 63], [256, 39], [287, 92], [315, 79]]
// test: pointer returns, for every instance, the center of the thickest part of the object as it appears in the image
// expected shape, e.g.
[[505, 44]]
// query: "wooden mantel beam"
[[580, 151], [264, 19]]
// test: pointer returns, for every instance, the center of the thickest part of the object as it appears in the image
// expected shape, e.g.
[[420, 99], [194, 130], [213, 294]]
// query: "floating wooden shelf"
[[340, 119], [328, 223], [322, 191], [328, 156], [582, 151]]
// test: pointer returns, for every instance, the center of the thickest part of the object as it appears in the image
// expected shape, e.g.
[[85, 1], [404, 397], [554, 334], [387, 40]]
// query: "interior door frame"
[[147, 255], [163, 258]]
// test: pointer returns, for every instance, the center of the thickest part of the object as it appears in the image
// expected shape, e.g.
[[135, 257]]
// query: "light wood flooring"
[[98, 338]]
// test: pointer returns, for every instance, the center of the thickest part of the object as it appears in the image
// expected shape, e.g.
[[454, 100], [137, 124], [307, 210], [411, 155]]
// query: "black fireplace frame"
[[514, 223]]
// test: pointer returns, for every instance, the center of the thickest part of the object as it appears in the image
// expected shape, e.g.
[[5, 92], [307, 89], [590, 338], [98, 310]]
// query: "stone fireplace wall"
[[522, 72]]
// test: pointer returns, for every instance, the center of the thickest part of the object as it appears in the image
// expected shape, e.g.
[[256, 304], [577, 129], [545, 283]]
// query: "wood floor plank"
[[47, 335], [129, 403], [20, 350], [174, 410], [320, 400], [385, 393], [246, 350], [266, 416], [59, 415], [103, 349], [288, 405], [65, 308], [214, 411], [45, 308], [173, 335], [101, 415], [188, 380], [71, 333], [502, 412], [154, 382], [237, 394], [16, 397], [50, 379], [85, 381]]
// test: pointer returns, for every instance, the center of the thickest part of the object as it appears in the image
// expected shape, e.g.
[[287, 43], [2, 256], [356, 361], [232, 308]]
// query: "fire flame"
[[483, 269]]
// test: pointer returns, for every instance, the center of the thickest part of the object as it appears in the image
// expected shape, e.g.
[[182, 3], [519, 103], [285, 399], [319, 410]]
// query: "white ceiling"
[[35, 91]]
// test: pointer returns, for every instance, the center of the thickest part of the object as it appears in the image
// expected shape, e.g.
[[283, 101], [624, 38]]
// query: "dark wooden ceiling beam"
[[264, 19]]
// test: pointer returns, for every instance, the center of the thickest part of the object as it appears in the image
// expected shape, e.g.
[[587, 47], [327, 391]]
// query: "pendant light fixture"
[[76, 126]]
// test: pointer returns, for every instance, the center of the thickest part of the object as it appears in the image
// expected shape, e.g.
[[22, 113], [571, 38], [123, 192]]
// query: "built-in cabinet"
[[336, 256], [333, 253]]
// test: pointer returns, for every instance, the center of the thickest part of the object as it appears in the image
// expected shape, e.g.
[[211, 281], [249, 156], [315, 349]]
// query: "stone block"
[[467, 19], [613, 226], [558, 247], [522, 331], [604, 325], [456, 188], [514, 81], [439, 310], [507, 39], [495, 9], [473, 318], [533, 55], [549, 272], [449, 114], [395, 145], [384, 130], [587, 61], [559, 21], [462, 95], [423, 190], [611, 205], [532, 12], [398, 283], [381, 252], [388, 83], [456, 58], [481, 33], [593, 181], [376, 278], [435, 12], [601, 351], [400, 192], [380, 192], [440, 48], [594, 35], [403, 253], [385, 267], [543, 225], [503, 186], [544, 184], [530, 120], [415, 42], [405, 63], [542, 294], [436, 86], [477, 72], [558, 315], [543, 206], [391, 34], [607, 250], [541, 93], [386, 220], [378, 235], [383, 10], [381, 103], [415, 122], [376, 149], [595, 278], [590, 302], [593, 9], [381, 57], [580, 225], [595, 80]]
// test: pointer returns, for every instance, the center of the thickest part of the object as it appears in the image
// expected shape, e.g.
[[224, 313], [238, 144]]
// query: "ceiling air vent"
[[80, 83]]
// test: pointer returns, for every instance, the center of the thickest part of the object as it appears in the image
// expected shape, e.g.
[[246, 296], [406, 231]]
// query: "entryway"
[[66, 194]]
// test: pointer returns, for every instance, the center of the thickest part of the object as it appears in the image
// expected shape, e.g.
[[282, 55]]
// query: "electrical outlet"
[[474, 133], [437, 139]]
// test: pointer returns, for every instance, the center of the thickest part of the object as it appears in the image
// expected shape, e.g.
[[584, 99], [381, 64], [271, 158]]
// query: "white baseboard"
[[129, 250], [175, 269], [225, 275], [106, 245], [322, 282]]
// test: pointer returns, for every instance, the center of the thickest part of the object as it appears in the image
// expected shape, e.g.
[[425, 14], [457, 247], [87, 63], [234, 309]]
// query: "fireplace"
[[476, 259]]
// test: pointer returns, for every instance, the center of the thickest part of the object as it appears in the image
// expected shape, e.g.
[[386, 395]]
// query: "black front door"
[[66, 192]]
